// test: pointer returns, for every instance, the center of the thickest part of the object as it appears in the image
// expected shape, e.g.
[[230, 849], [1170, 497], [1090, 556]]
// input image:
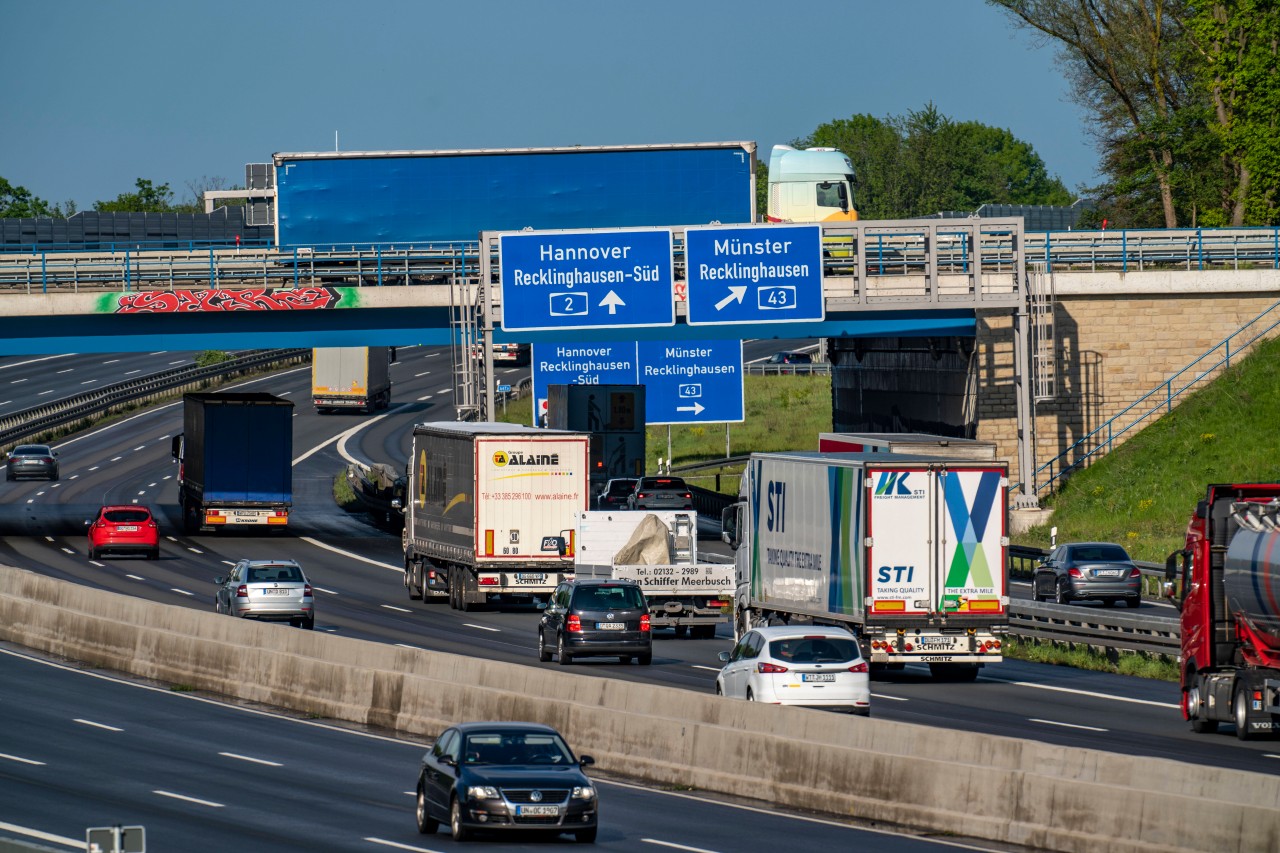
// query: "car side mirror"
[[395, 503], [723, 657], [88, 521], [585, 761], [219, 580], [448, 761]]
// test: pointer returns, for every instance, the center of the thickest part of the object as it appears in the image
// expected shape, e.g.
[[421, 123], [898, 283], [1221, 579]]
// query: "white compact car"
[[816, 667]]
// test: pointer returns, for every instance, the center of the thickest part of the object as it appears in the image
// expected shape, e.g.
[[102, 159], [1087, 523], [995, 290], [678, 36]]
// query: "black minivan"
[[595, 617]]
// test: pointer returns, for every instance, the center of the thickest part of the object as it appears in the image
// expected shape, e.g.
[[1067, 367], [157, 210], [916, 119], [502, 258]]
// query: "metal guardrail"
[[1108, 629], [30, 422], [817, 369], [894, 250]]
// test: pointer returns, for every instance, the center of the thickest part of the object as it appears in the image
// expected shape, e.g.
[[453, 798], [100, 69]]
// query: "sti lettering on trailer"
[[586, 279], [776, 516]]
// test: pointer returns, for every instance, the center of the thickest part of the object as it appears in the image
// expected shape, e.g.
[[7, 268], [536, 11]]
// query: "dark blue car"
[[500, 777]]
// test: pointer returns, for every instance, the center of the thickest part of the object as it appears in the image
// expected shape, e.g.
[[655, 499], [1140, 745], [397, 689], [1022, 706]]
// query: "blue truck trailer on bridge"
[[360, 197]]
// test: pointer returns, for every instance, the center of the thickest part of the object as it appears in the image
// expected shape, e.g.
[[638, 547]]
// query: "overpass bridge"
[[924, 280]]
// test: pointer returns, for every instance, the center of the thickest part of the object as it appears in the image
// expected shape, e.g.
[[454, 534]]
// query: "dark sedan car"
[[660, 493], [1100, 571], [32, 460], [614, 494], [499, 777]]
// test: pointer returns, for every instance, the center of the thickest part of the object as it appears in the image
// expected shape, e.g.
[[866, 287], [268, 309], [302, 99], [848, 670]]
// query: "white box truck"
[[659, 550], [488, 507], [908, 552], [351, 378]]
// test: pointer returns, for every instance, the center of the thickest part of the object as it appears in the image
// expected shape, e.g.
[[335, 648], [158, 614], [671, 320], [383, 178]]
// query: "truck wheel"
[[1195, 708], [412, 579], [452, 581], [543, 655], [1240, 707]]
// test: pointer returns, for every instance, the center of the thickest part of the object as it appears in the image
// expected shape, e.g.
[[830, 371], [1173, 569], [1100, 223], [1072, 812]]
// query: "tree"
[[18, 202], [149, 198], [1125, 66]]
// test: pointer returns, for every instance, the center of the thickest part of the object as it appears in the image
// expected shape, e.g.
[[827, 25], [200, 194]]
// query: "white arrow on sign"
[[736, 294], [696, 408], [612, 301]]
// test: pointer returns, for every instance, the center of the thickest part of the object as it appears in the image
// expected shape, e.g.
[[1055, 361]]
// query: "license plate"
[[276, 591], [128, 528], [610, 626], [530, 577], [537, 811], [1108, 573], [817, 676]]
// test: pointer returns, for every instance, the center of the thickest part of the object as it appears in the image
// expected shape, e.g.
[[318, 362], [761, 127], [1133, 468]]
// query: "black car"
[[660, 493], [1101, 571], [786, 361], [501, 777], [594, 617], [32, 460], [614, 494]]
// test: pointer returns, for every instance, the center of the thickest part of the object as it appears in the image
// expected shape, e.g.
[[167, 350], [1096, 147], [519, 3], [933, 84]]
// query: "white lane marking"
[[171, 538], [195, 800], [21, 760], [352, 556], [94, 468], [427, 397], [6, 402], [117, 459], [48, 538], [431, 355], [97, 725], [42, 393], [16, 381], [423, 373], [675, 846], [227, 563], [67, 551], [1066, 725], [322, 589], [43, 836], [73, 476], [143, 492], [37, 361], [1270, 755], [166, 477], [111, 361], [398, 846], [400, 609], [481, 627], [1089, 693], [182, 591], [150, 486], [251, 759], [132, 577], [88, 382], [139, 447], [407, 646], [887, 696], [194, 550], [707, 668], [131, 372], [179, 361]]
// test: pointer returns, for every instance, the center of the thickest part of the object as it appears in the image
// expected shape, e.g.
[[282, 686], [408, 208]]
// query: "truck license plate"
[[530, 577]]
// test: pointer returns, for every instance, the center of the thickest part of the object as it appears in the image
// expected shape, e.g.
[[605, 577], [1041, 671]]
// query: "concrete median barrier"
[[936, 780]]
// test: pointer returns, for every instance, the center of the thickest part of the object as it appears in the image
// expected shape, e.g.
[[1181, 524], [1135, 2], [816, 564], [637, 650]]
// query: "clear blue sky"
[[99, 94]]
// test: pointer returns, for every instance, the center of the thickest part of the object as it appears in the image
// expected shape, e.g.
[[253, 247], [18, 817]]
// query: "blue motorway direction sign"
[[586, 280], [692, 382], [754, 274], [688, 382]]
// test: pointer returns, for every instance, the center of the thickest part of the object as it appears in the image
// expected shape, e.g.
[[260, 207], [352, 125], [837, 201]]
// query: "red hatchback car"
[[124, 528]]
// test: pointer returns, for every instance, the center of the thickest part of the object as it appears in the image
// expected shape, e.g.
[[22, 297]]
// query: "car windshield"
[[126, 516], [266, 574], [814, 649], [515, 748], [608, 598], [1108, 553]]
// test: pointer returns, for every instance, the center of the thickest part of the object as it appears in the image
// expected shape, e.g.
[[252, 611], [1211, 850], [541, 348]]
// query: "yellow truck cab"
[[810, 185]]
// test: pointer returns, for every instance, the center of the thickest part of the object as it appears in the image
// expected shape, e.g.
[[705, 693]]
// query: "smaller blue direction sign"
[[580, 364], [692, 381], [586, 280], [754, 274]]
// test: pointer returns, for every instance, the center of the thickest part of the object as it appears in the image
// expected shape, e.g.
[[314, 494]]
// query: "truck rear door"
[[902, 505], [971, 558]]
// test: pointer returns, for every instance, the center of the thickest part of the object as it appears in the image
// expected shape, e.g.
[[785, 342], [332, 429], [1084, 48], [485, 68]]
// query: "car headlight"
[[482, 792], [585, 792]]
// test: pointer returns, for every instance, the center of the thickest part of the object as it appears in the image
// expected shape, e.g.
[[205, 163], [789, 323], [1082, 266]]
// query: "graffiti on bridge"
[[248, 299]]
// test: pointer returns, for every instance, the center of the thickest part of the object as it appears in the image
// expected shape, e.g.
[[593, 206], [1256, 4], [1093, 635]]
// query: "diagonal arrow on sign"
[[736, 294], [696, 408], [612, 301]]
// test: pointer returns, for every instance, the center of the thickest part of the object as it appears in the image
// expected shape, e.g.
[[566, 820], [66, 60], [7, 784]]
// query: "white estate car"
[[812, 666]]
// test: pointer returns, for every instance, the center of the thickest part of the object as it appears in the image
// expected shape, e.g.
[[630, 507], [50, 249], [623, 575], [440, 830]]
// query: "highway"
[[356, 569], [30, 381], [81, 749]]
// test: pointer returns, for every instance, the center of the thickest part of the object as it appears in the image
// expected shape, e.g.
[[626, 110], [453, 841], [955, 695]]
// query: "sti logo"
[[892, 483]]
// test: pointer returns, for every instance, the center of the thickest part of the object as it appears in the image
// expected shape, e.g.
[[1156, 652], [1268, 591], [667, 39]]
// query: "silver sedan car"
[[270, 590]]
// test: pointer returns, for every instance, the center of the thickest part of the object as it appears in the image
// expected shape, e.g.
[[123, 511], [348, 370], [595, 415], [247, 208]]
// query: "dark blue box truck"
[[358, 197], [235, 461]]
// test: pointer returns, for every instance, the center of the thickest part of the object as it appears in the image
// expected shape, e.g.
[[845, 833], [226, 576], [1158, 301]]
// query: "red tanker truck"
[[1229, 600]]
